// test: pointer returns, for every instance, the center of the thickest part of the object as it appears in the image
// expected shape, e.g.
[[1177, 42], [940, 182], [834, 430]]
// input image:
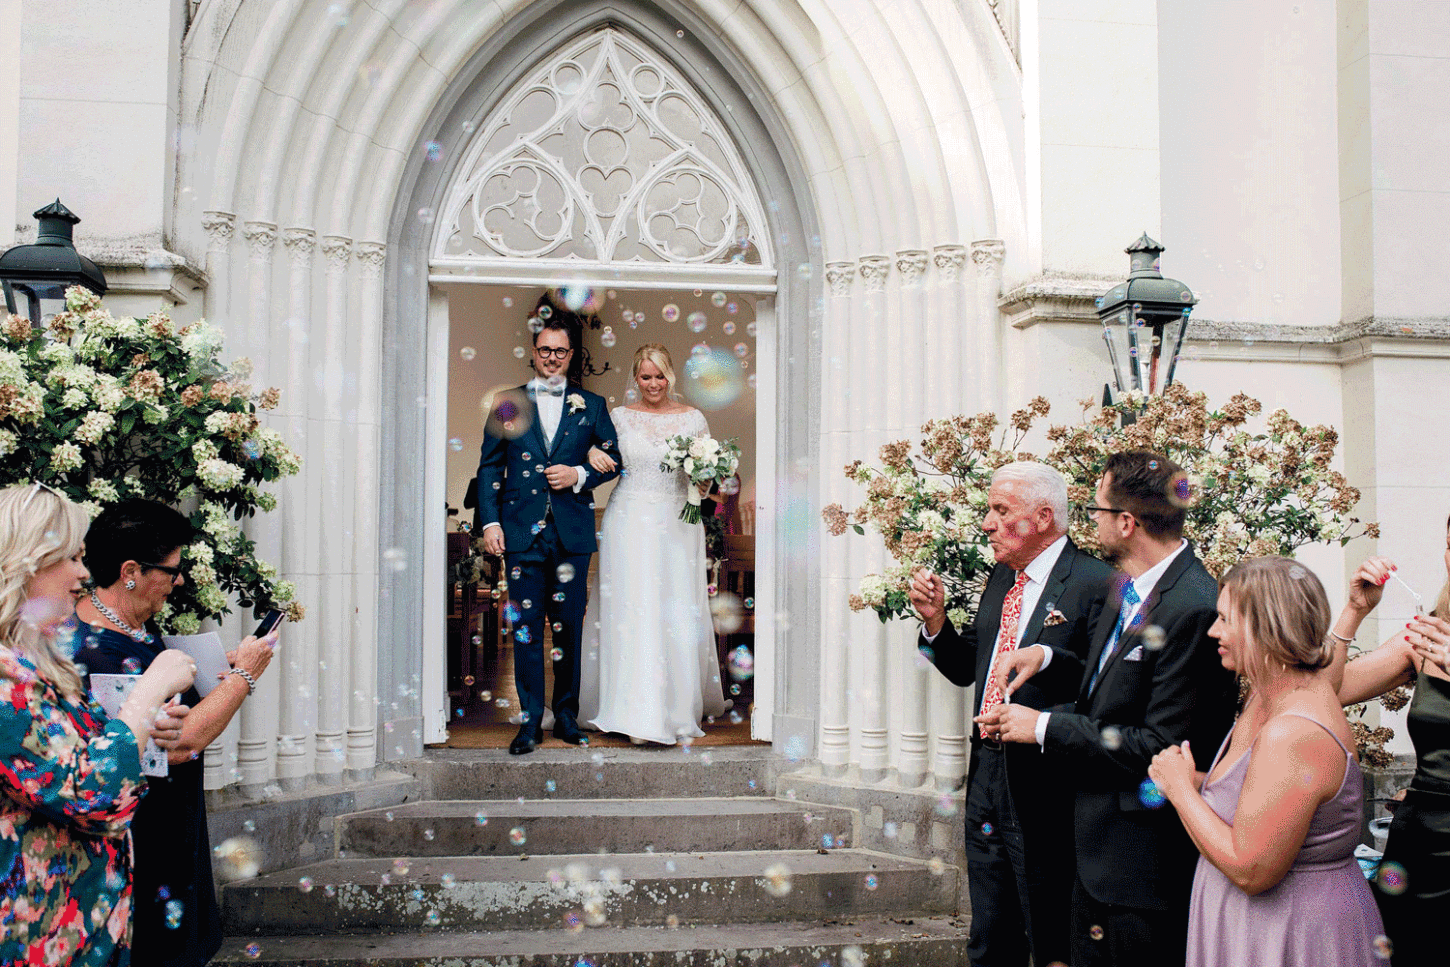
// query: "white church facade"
[[911, 206]]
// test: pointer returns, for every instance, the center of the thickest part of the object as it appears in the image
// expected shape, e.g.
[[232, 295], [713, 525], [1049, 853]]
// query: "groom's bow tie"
[[538, 387]]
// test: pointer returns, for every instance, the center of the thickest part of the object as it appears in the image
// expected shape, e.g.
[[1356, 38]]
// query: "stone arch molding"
[[604, 156]]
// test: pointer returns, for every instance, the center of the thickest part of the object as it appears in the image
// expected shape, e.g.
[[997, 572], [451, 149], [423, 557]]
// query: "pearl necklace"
[[137, 634]]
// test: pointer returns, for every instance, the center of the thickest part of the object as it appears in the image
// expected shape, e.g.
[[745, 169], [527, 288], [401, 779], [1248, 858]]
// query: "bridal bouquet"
[[704, 460]]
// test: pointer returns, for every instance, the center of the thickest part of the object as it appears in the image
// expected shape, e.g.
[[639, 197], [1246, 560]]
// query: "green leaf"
[[858, 529]]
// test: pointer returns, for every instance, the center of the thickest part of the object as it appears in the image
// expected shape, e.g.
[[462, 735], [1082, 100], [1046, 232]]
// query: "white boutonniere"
[[576, 402], [1054, 617]]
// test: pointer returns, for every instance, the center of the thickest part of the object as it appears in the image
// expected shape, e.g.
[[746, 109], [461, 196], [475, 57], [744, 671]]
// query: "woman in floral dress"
[[70, 777]]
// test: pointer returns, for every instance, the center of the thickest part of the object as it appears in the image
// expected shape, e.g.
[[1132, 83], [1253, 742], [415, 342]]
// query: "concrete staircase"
[[558, 859]]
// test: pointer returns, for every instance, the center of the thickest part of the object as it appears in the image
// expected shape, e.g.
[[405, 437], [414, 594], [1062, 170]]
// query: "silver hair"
[[1041, 485]]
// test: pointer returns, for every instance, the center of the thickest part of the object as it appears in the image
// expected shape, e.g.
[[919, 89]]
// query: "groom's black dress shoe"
[[567, 730], [526, 741]]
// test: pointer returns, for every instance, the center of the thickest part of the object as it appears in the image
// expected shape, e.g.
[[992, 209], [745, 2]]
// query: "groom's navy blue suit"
[[549, 537]]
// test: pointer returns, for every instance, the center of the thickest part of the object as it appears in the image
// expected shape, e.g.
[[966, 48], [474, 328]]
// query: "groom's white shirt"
[[551, 411]]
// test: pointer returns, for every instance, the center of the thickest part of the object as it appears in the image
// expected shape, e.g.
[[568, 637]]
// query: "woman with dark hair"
[[134, 550], [1413, 884], [70, 777], [1278, 816]]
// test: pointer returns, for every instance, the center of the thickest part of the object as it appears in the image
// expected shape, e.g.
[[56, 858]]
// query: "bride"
[[649, 665]]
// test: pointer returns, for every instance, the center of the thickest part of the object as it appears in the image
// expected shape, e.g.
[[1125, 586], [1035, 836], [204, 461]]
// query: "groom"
[[535, 497]]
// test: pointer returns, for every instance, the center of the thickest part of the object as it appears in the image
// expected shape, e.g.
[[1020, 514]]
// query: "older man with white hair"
[[1044, 591]]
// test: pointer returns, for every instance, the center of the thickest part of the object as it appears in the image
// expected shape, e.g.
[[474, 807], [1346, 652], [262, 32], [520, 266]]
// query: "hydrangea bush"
[[103, 409], [1246, 494]]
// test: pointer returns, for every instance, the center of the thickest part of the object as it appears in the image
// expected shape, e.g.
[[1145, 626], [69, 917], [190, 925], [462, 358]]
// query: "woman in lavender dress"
[[1278, 815]]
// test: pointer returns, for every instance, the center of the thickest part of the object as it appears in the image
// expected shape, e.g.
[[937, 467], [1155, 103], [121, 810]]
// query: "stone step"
[[553, 826], [637, 889], [570, 772], [903, 942]]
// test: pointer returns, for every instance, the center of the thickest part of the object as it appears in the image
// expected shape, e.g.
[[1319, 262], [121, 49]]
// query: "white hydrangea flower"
[[104, 491], [202, 341], [74, 398], [873, 590], [65, 457], [94, 426], [110, 396], [204, 450], [7, 443], [58, 354], [284, 591], [90, 507], [217, 422], [217, 474], [201, 575], [211, 598], [186, 623], [155, 414], [12, 368], [200, 552]]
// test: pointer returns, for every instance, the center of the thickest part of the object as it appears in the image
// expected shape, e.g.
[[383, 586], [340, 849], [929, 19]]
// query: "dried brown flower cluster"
[[17, 329]]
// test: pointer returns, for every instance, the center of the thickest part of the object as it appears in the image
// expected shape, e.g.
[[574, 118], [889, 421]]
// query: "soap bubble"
[[239, 858], [871, 881], [254, 950], [536, 325], [752, 330], [517, 836], [730, 486], [671, 312], [395, 559], [607, 339], [305, 884], [1391, 879], [455, 444], [505, 411], [713, 379], [777, 880], [726, 613], [1150, 795], [132, 666], [741, 350], [729, 327], [557, 654], [174, 910], [480, 818], [520, 352], [1112, 739], [1154, 638], [1096, 932], [741, 664], [936, 865], [1383, 949], [718, 300], [697, 321], [468, 353], [425, 215]]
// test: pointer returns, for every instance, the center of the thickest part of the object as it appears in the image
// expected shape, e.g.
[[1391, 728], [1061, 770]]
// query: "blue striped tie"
[[1130, 601]]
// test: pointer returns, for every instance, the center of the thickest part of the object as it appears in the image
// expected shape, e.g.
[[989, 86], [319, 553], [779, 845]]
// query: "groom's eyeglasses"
[[545, 352]]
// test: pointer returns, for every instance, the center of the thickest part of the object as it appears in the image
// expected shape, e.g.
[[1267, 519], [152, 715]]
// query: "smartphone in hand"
[[270, 620]]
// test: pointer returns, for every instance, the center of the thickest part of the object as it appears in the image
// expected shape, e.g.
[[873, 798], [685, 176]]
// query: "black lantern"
[[1144, 320], [36, 276]]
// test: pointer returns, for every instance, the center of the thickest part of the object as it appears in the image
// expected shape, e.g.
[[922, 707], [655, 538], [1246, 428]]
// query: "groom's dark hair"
[[553, 313]]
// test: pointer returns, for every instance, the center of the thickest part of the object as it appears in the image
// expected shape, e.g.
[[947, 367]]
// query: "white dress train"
[[649, 667]]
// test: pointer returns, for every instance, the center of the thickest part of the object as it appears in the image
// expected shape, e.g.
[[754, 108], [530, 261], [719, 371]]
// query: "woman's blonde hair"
[[1284, 612], [39, 527], [1442, 604], [653, 352]]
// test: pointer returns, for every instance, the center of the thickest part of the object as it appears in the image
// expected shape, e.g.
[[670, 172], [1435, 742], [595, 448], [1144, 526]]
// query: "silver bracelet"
[[246, 677], [1339, 637]]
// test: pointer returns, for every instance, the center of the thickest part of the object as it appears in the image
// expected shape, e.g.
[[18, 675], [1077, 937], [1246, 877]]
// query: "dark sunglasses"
[[174, 572]]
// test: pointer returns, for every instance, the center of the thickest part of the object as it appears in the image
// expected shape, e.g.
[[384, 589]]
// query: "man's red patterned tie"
[[1006, 638]]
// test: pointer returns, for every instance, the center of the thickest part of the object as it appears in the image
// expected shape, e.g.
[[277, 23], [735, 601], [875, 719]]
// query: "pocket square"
[[1135, 655], [1054, 618]]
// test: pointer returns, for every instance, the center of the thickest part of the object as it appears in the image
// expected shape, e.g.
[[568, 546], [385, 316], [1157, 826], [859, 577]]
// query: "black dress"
[[1413, 886], [177, 922]]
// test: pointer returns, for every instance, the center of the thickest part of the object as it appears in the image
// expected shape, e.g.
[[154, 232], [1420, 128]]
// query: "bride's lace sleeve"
[[698, 425]]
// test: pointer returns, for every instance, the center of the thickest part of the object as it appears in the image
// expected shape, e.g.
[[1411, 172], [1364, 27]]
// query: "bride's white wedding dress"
[[649, 664]]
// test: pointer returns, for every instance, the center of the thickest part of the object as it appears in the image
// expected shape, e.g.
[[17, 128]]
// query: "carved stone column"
[[952, 360], [840, 337], [300, 554], [363, 662], [337, 483], [259, 714], [912, 360], [874, 270]]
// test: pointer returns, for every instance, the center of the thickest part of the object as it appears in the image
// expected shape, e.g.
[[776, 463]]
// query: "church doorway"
[[713, 337]]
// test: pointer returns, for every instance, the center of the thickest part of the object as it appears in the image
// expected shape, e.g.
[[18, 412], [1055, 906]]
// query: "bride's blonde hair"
[[653, 352], [38, 528]]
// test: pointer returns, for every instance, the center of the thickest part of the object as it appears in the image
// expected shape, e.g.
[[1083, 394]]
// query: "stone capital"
[[300, 244], [987, 255], [911, 266], [219, 227], [260, 236], [839, 276], [874, 269], [338, 249], [949, 260], [372, 255]]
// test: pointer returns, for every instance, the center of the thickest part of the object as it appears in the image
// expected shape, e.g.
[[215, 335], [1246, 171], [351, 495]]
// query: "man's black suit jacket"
[[1076, 588], [1129, 853]]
